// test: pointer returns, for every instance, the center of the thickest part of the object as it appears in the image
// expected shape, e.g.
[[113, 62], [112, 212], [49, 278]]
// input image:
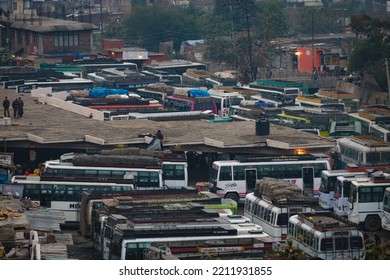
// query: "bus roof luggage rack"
[[325, 220], [380, 176], [276, 158], [174, 230], [304, 201]]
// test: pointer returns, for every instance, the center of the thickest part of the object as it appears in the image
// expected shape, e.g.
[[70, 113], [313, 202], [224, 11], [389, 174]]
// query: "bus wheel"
[[233, 196], [372, 223]]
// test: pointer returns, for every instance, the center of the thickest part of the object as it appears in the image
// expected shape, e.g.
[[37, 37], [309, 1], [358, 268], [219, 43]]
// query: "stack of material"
[[115, 160], [79, 93], [160, 87], [54, 246], [279, 190], [136, 151]]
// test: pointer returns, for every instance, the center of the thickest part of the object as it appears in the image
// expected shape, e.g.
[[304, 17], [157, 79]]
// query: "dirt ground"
[[82, 249]]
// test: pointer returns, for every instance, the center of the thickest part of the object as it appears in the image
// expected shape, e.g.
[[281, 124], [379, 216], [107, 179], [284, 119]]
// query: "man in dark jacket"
[[15, 106], [6, 107]]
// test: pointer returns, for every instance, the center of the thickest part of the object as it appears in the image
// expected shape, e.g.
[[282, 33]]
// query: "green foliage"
[[148, 26], [369, 54]]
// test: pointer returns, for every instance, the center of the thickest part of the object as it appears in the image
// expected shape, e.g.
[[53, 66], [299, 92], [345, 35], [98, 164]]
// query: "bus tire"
[[233, 196], [372, 223]]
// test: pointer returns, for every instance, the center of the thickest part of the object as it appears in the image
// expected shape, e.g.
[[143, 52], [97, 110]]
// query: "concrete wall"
[[43, 95]]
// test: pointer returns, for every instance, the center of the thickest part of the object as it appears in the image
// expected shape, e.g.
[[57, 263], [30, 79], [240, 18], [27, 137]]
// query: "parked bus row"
[[284, 213]]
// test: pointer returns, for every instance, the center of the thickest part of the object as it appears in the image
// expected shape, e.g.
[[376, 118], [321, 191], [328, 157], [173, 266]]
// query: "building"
[[31, 34]]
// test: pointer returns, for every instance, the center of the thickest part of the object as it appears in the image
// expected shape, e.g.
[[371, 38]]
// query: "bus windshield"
[[213, 174], [352, 194], [328, 184]]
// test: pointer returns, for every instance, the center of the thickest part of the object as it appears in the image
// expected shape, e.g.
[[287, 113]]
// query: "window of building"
[[66, 39]]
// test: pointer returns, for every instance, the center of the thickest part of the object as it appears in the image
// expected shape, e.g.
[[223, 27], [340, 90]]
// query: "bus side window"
[[225, 174]]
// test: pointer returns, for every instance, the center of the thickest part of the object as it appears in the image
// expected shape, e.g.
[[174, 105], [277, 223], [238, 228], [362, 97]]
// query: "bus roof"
[[325, 221]]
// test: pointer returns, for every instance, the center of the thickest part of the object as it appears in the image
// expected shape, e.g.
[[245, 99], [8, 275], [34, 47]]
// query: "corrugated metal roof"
[[45, 24]]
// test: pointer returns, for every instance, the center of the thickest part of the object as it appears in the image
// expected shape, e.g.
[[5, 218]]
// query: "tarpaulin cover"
[[198, 93], [99, 92]]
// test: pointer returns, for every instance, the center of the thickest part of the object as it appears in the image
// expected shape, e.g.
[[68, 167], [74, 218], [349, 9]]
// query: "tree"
[[147, 26], [369, 54]]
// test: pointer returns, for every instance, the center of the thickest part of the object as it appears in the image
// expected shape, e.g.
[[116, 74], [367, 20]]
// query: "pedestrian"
[[15, 106], [161, 138], [21, 107], [6, 107]]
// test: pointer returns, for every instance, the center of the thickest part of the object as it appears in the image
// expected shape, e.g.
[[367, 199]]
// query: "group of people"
[[17, 106]]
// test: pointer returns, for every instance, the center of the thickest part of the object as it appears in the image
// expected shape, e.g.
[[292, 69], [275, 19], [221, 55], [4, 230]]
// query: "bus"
[[236, 178], [183, 103], [65, 195], [341, 193], [293, 119], [386, 210], [224, 101], [119, 169], [274, 100], [365, 201], [145, 176], [363, 151], [92, 66], [325, 236], [175, 66], [114, 110], [272, 215], [130, 243], [63, 84], [328, 186], [311, 101]]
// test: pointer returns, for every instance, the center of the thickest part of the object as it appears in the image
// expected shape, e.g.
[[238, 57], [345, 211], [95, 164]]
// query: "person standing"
[[15, 106], [161, 138], [6, 107], [21, 107]]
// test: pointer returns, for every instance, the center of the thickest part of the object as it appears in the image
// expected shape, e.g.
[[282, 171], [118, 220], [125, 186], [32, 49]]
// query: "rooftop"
[[43, 124]]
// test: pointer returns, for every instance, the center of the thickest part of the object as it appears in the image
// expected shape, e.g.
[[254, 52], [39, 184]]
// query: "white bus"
[[236, 178], [363, 151], [65, 196], [224, 101], [386, 210], [328, 186], [341, 193], [140, 177], [365, 201], [271, 216], [142, 236], [169, 171], [325, 236]]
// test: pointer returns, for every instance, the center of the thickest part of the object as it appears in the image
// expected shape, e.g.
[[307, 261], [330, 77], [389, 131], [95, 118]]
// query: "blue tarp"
[[103, 92], [198, 93], [261, 104]]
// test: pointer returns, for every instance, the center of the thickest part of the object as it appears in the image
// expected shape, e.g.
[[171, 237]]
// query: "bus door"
[[308, 180], [46, 198], [250, 179]]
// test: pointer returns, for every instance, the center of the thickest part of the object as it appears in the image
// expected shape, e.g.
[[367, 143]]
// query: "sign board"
[[26, 88], [13, 84], [6, 160]]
